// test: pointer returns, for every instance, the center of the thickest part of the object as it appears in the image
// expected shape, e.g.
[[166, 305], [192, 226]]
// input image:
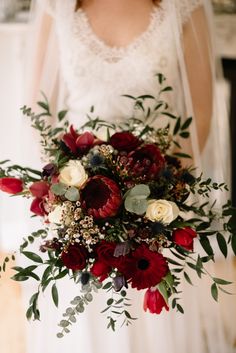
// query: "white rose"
[[73, 174], [162, 211], [56, 216]]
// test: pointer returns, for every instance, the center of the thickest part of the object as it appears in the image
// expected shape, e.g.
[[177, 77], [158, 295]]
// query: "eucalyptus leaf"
[[139, 190], [72, 194], [59, 189], [136, 205]]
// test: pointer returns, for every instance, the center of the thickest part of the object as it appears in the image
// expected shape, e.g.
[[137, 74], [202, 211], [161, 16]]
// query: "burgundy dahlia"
[[101, 197], [145, 268], [124, 141], [75, 257], [145, 162]]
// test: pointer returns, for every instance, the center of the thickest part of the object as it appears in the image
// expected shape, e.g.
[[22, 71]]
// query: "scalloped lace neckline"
[[115, 53]]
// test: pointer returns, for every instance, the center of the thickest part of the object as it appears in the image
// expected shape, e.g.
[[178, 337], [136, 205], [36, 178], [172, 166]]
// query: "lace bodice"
[[97, 74]]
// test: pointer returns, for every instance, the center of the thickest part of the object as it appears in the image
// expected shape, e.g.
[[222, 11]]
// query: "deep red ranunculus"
[[144, 268], [154, 301], [75, 257], [11, 185], [39, 189], [100, 269], [37, 207], [184, 237], [101, 197], [124, 141], [79, 143], [145, 162]]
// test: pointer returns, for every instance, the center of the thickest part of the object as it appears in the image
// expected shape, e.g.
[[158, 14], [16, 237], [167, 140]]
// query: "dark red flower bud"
[[154, 301], [39, 189], [124, 141], [184, 237], [75, 257], [37, 207], [11, 185]]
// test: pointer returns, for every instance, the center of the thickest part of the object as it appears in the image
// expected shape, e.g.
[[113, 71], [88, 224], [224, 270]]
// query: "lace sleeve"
[[186, 7]]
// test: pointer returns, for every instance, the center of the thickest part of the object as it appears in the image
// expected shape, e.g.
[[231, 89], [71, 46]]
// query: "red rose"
[[39, 189], [100, 269], [154, 301], [11, 185], [144, 268], [184, 237], [105, 252], [101, 197], [79, 143], [37, 207], [75, 257], [144, 163], [124, 141]]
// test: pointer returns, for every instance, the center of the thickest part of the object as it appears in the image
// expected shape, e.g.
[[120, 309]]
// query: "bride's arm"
[[197, 53]]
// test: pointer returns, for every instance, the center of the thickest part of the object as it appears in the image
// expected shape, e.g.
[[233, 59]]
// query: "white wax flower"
[[73, 174], [162, 211]]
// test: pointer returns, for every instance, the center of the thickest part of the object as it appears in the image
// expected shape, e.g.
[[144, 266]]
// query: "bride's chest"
[[85, 55]]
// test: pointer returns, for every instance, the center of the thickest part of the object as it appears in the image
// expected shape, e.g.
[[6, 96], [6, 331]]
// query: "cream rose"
[[162, 211], [73, 174]]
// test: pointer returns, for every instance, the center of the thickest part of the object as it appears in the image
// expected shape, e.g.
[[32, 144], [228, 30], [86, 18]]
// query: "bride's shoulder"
[[186, 7]]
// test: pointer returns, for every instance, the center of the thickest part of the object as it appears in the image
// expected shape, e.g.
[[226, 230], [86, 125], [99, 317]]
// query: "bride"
[[89, 53]]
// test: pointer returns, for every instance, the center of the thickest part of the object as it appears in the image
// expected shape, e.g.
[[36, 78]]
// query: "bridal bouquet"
[[118, 210]]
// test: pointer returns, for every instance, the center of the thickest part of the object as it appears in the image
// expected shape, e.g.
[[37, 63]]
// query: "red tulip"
[[39, 189], [154, 301], [11, 185], [184, 237], [37, 207]]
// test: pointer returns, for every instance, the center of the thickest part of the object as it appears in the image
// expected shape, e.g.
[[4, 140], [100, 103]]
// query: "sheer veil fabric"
[[76, 70]]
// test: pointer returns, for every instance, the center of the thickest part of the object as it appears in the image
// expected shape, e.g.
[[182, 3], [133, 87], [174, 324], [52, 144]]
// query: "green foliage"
[[136, 199]]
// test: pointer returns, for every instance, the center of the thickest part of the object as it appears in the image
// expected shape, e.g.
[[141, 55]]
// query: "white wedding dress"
[[95, 74]]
